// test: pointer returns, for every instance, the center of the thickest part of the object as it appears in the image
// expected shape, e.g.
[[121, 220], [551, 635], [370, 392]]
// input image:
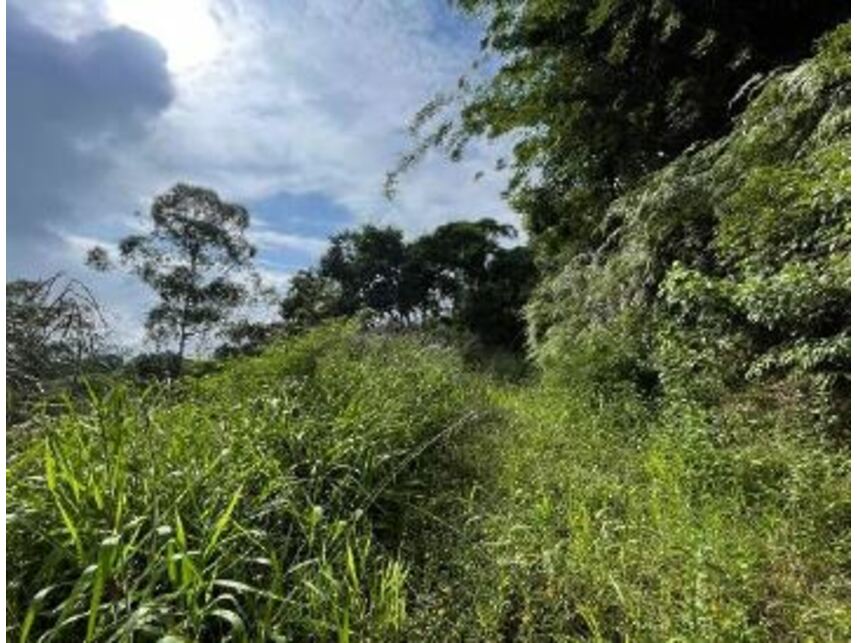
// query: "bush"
[[729, 268]]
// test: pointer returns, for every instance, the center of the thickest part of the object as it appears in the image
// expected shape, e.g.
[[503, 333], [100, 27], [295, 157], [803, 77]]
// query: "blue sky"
[[294, 108]]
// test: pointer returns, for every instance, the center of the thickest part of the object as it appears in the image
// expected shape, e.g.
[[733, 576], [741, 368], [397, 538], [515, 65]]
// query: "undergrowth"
[[607, 521], [261, 502], [350, 486]]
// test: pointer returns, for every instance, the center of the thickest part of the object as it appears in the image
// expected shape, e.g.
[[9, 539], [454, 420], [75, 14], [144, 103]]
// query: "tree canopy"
[[598, 93], [195, 249], [458, 274]]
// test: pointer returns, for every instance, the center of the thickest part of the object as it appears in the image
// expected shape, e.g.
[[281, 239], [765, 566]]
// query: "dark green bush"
[[729, 268]]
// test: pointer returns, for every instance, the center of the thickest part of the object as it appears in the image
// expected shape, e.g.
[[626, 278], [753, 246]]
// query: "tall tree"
[[367, 264], [192, 256], [470, 279], [459, 274], [600, 92]]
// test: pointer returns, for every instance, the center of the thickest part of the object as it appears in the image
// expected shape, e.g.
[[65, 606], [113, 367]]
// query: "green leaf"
[[222, 523]]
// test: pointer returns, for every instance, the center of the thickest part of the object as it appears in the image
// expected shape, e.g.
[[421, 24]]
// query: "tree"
[[458, 274], [191, 257], [311, 299], [471, 280], [494, 312], [367, 265], [54, 328], [682, 191], [245, 337], [599, 93]]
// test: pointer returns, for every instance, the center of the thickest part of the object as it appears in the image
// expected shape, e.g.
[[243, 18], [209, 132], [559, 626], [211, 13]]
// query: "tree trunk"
[[182, 342], [183, 333]]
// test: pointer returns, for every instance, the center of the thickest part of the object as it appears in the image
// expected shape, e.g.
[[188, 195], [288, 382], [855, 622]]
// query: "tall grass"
[[256, 506], [608, 521], [345, 486]]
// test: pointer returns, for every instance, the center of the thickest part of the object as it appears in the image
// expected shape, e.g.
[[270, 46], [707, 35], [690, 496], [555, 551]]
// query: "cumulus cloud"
[[71, 106]]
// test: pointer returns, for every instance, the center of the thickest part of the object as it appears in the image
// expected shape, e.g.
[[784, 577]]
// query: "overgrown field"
[[352, 486], [668, 463]]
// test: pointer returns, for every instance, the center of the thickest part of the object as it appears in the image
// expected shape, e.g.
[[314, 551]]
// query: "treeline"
[[197, 259], [459, 274], [459, 277]]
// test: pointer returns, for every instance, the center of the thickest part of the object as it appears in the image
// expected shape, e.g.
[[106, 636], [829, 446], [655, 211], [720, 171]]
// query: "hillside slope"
[[729, 270]]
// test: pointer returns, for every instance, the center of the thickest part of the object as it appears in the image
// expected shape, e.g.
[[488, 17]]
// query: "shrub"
[[729, 268]]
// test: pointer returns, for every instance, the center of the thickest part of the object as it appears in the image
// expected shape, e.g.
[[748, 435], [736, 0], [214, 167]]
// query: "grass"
[[357, 487], [253, 503], [609, 522]]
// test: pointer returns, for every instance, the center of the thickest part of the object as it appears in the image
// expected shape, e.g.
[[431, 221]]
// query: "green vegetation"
[[602, 522], [727, 271], [597, 94], [666, 463], [260, 501], [459, 275], [54, 337], [355, 485], [191, 256]]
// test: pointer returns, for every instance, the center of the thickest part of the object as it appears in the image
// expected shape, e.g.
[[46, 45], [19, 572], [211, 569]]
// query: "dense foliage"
[[598, 93], [671, 263], [601, 521], [731, 265], [458, 274], [261, 501], [352, 486]]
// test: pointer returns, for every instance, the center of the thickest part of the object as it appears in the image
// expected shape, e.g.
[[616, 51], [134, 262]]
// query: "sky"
[[294, 108]]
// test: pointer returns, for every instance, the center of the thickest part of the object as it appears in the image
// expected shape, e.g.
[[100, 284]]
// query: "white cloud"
[[315, 97], [275, 278], [267, 239], [305, 96], [79, 245], [187, 29]]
